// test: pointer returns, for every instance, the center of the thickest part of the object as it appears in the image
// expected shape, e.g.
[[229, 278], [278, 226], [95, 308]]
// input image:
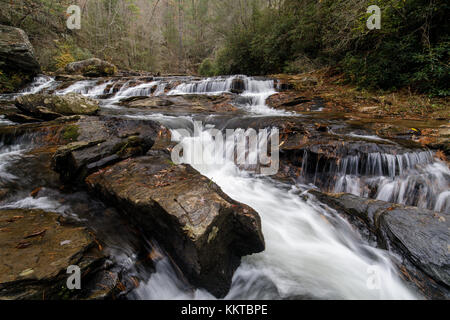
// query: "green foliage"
[[71, 133], [5, 83], [12, 81], [207, 68], [67, 51], [254, 37], [411, 49]]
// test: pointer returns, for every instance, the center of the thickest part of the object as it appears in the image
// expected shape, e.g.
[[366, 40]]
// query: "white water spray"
[[306, 255]]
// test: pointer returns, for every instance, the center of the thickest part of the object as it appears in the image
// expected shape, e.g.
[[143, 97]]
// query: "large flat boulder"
[[91, 68], [203, 230], [18, 63], [49, 107], [421, 237], [36, 248], [184, 104]]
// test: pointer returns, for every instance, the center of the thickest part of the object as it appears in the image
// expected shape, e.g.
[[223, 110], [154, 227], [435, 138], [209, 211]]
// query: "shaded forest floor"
[[403, 104]]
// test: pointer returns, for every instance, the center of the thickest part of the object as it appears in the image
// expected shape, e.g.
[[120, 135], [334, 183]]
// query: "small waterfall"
[[4, 121], [39, 84], [82, 87], [9, 154], [257, 92], [144, 89], [322, 257], [412, 178], [212, 86], [252, 91]]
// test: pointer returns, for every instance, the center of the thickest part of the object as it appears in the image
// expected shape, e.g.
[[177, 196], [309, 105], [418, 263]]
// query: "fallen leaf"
[[23, 245], [36, 234]]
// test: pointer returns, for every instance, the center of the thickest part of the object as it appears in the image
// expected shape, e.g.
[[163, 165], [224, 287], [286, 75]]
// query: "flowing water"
[[412, 178], [311, 252]]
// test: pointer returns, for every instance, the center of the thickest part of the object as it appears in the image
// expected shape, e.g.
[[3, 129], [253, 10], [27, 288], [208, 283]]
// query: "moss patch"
[[71, 133], [12, 82]]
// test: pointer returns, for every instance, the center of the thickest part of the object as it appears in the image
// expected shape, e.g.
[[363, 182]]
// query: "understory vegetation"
[[410, 50], [253, 37]]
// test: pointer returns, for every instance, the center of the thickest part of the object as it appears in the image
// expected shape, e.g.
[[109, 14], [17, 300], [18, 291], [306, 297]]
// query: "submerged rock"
[[91, 68], [238, 86], [49, 107], [421, 237], [204, 231], [36, 250]]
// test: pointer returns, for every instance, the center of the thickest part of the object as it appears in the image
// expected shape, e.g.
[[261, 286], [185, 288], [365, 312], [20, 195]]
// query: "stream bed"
[[312, 251]]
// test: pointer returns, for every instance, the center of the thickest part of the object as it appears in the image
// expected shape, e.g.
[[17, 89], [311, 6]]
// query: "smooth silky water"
[[311, 252]]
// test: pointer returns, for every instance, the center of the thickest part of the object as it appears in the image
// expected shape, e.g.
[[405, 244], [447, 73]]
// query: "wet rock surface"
[[298, 103], [98, 141], [49, 107], [419, 236], [204, 230], [184, 104], [36, 250], [125, 162]]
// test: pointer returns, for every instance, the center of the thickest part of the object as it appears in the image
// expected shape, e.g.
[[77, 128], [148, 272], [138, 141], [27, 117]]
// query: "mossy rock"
[[71, 133], [50, 107], [91, 68]]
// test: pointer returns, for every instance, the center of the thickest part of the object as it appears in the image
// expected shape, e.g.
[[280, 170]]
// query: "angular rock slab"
[[99, 141], [16, 51], [35, 252], [203, 230]]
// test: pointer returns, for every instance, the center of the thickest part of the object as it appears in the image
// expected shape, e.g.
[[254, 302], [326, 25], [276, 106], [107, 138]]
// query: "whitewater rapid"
[[311, 253]]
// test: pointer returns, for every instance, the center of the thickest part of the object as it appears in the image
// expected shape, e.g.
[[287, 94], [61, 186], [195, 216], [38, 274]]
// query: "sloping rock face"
[[16, 51], [17, 60], [49, 107], [421, 237], [91, 68], [203, 230], [99, 141], [127, 164], [36, 249]]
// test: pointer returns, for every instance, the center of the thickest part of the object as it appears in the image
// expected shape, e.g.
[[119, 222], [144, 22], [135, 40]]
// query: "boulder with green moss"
[[91, 68], [49, 107]]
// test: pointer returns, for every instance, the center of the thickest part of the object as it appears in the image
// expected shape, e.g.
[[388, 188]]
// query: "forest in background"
[[253, 37]]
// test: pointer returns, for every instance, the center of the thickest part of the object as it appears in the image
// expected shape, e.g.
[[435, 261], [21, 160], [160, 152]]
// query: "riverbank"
[[424, 118]]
